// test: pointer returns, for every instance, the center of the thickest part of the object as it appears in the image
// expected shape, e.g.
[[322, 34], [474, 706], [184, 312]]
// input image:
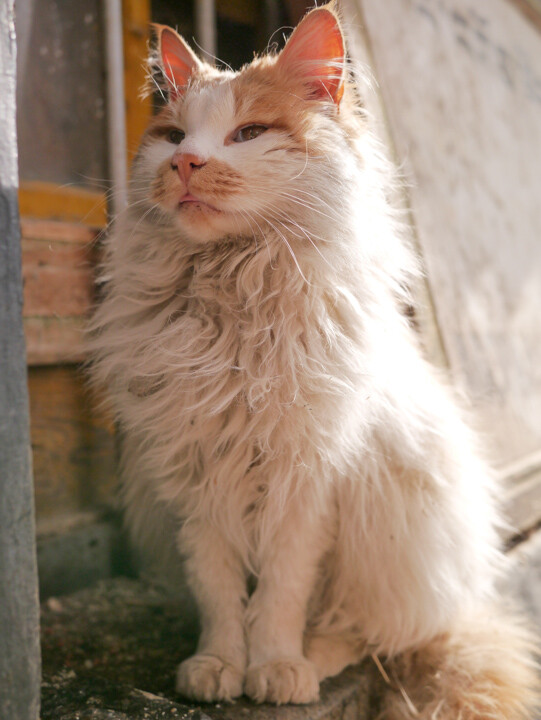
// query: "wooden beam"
[[50, 230], [19, 609], [59, 262], [54, 341], [74, 448], [57, 202], [136, 20]]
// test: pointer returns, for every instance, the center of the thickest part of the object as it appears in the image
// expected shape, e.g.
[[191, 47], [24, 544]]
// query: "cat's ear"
[[177, 60], [316, 52]]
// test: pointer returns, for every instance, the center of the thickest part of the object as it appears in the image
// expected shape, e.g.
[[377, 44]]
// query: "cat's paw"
[[290, 680], [207, 678]]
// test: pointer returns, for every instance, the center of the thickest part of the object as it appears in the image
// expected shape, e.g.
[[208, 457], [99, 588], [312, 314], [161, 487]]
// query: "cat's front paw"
[[208, 678], [290, 680]]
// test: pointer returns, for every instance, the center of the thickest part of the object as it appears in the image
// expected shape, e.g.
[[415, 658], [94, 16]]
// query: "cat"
[[279, 418]]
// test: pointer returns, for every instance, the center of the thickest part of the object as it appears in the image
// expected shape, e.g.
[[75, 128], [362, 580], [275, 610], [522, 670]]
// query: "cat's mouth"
[[191, 202]]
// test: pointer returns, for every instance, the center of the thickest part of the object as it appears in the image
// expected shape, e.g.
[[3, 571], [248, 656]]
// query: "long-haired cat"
[[276, 406]]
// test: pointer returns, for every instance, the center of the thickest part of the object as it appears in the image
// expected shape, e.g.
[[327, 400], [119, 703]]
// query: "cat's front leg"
[[278, 672], [217, 580]]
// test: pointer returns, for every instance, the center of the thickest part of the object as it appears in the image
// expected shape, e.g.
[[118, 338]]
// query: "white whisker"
[[281, 235]]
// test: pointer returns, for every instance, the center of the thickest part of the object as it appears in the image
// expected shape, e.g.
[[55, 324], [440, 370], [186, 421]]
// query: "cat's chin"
[[202, 222], [193, 205]]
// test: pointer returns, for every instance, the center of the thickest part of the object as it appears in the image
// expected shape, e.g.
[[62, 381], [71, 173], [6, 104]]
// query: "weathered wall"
[[461, 85]]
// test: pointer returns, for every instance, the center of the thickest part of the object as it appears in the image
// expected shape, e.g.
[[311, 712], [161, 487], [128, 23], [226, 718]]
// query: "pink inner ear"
[[178, 61], [316, 52]]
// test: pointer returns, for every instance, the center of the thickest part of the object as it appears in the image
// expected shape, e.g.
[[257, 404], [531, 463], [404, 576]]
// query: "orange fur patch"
[[263, 95], [216, 180], [480, 671], [166, 188]]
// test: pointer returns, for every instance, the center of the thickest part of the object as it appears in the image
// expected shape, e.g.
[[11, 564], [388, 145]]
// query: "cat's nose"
[[186, 163]]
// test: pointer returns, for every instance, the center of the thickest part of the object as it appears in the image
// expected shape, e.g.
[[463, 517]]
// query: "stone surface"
[[110, 653]]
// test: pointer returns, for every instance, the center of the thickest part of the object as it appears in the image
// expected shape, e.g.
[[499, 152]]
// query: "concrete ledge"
[[110, 653], [344, 698]]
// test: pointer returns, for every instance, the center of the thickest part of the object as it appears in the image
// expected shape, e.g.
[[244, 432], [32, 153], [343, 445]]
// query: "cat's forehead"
[[209, 103], [222, 95]]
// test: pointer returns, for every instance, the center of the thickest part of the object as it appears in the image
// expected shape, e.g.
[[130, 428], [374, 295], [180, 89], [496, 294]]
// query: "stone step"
[[110, 653]]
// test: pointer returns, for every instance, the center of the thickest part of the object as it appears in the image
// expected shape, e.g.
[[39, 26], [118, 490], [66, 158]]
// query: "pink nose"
[[186, 163]]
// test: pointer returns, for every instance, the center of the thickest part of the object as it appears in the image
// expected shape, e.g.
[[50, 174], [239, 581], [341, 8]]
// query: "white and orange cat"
[[278, 414]]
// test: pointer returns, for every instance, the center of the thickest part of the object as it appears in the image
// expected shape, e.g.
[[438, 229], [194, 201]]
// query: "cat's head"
[[232, 152]]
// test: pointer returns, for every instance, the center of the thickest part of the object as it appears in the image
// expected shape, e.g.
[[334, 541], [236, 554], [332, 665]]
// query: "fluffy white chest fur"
[[275, 402]]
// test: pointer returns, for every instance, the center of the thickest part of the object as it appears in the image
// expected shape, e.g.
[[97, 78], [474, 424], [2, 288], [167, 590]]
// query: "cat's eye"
[[248, 132], [175, 136]]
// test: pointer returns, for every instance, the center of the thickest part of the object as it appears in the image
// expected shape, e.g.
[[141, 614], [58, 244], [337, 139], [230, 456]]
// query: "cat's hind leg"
[[331, 653]]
